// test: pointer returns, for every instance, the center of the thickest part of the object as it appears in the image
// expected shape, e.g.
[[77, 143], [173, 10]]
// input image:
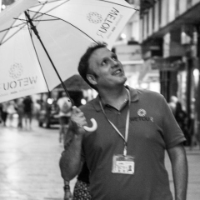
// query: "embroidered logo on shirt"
[[141, 112], [142, 116]]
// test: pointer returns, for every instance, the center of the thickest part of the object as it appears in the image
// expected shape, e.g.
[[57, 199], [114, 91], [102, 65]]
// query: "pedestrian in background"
[[182, 120], [28, 111], [125, 155], [172, 103], [4, 113], [20, 112], [64, 109], [11, 110], [181, 117]]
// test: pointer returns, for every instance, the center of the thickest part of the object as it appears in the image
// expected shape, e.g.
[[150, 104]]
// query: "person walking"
[[28, 111], [64, 106], [4, 112], [182, 120], [173, 103], [11, 110], [125, 154], [20, 112], [181, 117]]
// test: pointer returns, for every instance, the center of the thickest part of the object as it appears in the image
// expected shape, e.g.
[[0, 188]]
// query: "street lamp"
[[5, 3], [3, 7], [196, 76]]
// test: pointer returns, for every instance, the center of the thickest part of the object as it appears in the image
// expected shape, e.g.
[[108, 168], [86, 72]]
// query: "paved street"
[[29, 165]]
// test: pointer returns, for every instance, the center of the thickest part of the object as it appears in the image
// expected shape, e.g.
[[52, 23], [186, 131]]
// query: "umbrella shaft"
[[33, 27]]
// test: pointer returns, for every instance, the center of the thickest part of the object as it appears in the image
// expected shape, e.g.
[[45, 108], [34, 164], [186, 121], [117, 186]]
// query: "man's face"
[[108, 69]]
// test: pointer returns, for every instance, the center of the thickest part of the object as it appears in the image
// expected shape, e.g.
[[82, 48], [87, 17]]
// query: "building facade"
[[170, 38], [129, 52]]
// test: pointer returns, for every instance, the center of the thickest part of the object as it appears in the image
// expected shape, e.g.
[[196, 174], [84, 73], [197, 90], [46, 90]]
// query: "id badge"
[[123, 164]]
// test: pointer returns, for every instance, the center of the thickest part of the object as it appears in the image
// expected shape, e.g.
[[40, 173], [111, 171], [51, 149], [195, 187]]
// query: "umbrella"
[[40, 47], [41, 42]]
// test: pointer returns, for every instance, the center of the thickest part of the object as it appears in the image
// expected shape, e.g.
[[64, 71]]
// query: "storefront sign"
[[166, 65]]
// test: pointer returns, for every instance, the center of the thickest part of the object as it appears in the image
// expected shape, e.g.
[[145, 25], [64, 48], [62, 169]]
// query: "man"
[[64, 106], [125, 155]]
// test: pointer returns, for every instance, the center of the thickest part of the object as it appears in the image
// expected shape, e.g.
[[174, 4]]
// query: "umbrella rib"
[[16, 26], [43, 4], [38, 59], [7, 29], [56, 18], [13, 33], [46, 20], [46, 2]]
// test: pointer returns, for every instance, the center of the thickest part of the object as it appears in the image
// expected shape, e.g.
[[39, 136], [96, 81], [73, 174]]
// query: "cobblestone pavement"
[[29, 165]]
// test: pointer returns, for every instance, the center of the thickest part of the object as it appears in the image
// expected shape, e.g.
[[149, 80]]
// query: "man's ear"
[[91, 79]]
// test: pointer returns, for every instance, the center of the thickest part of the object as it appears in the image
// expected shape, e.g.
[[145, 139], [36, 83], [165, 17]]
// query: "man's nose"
[[114, 63]]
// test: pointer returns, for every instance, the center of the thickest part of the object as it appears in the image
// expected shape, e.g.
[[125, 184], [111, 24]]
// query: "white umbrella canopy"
[[41, 42]]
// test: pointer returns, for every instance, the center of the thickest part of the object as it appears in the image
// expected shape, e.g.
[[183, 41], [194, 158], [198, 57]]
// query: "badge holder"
[[123, 164]]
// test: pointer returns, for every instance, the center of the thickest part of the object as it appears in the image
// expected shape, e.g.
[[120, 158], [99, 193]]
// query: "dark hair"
[[84, 61]]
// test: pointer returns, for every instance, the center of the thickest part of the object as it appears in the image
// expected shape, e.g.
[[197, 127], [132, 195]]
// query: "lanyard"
[[127, 123]]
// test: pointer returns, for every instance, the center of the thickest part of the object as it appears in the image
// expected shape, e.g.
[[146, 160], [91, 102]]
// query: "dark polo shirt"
[[152, 130]]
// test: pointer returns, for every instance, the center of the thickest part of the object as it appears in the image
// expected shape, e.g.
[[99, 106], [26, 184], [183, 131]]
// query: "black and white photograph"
[[100, 99]]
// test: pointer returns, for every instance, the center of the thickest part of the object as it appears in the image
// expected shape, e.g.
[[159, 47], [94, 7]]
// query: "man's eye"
[[104, 63], [114, 58]]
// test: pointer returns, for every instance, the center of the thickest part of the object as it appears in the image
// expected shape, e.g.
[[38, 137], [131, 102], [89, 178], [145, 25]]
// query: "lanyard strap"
[[127, 123]]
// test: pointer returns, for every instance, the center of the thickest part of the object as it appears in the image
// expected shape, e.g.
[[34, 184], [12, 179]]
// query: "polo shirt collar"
[[133, 93]]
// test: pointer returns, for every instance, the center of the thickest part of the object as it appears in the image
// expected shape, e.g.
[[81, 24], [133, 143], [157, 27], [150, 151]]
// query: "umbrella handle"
[[93, 127]]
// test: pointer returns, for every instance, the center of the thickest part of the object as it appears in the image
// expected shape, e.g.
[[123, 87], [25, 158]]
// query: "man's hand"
[[70, 161], [78, 120]]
